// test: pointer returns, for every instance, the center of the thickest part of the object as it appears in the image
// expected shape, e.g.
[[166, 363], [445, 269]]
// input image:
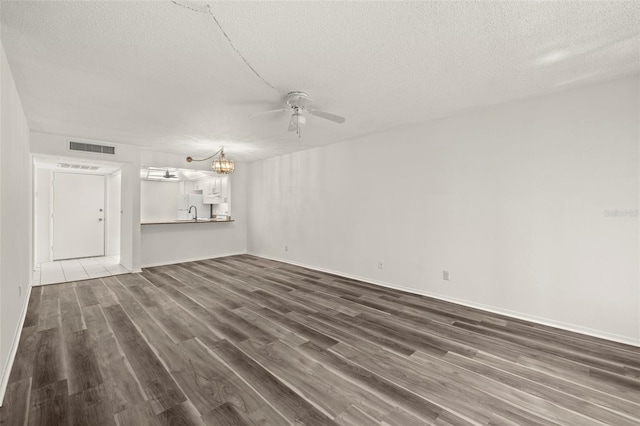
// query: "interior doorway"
[[77, 219]]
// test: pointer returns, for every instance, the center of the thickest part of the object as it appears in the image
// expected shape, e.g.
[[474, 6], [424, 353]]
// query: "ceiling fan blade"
[[269, 112], [327, 116]]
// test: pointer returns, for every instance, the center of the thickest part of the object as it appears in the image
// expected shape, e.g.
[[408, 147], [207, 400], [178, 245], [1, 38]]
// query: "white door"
[[78, 215]]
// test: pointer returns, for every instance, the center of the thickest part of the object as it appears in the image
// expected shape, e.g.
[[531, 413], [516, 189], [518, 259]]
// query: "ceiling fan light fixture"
[[298, 119]]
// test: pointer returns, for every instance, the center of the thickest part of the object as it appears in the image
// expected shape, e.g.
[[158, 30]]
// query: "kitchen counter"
[[165, 242], [180, 222]]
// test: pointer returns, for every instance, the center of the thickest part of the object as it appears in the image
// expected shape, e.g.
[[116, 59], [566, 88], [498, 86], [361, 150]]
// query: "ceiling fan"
[[168, 175], [158, 173], [298, 105]]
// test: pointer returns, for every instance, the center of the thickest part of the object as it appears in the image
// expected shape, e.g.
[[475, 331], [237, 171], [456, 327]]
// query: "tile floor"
[[77, 269]]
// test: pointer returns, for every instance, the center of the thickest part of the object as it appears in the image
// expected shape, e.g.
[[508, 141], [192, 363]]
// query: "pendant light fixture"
[[219, 165]]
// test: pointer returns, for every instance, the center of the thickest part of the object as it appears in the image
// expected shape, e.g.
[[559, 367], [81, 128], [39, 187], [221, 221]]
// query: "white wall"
[[43, 215], [164, 244], [511, 199], [114, 199], [15, 218], [130, 217], [159, 200]]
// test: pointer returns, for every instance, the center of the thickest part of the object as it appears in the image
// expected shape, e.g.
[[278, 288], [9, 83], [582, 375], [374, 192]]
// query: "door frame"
[[127, 161]]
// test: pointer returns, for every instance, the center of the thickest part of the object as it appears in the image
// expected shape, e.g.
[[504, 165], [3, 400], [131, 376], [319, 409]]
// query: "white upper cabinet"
[[215, 190]]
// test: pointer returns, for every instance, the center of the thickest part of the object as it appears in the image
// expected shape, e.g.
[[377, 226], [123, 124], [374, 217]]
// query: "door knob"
[[100, 209], [100, 220]]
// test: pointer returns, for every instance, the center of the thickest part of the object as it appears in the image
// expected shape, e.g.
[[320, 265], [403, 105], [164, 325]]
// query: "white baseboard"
[[514, 314], [6, 371], [192, 259]]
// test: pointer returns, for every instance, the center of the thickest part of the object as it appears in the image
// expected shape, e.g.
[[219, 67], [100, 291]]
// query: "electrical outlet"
[[380, 264], [445, 275], [286, 248]]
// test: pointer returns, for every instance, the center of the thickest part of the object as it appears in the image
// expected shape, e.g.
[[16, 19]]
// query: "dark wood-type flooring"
[[247, 341]]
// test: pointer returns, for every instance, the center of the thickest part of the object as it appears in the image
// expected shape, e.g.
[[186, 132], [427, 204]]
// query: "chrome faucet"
[[196, 216]]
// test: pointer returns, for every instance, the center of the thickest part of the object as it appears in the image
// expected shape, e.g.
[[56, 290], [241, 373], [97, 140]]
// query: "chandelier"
[[219, 165]]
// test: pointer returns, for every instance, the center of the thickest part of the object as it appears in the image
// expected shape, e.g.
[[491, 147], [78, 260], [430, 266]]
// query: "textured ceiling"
[[159, 75]]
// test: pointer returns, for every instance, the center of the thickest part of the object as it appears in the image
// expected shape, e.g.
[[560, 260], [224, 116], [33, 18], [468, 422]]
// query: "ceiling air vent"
[[77, 166], [89, 147]]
